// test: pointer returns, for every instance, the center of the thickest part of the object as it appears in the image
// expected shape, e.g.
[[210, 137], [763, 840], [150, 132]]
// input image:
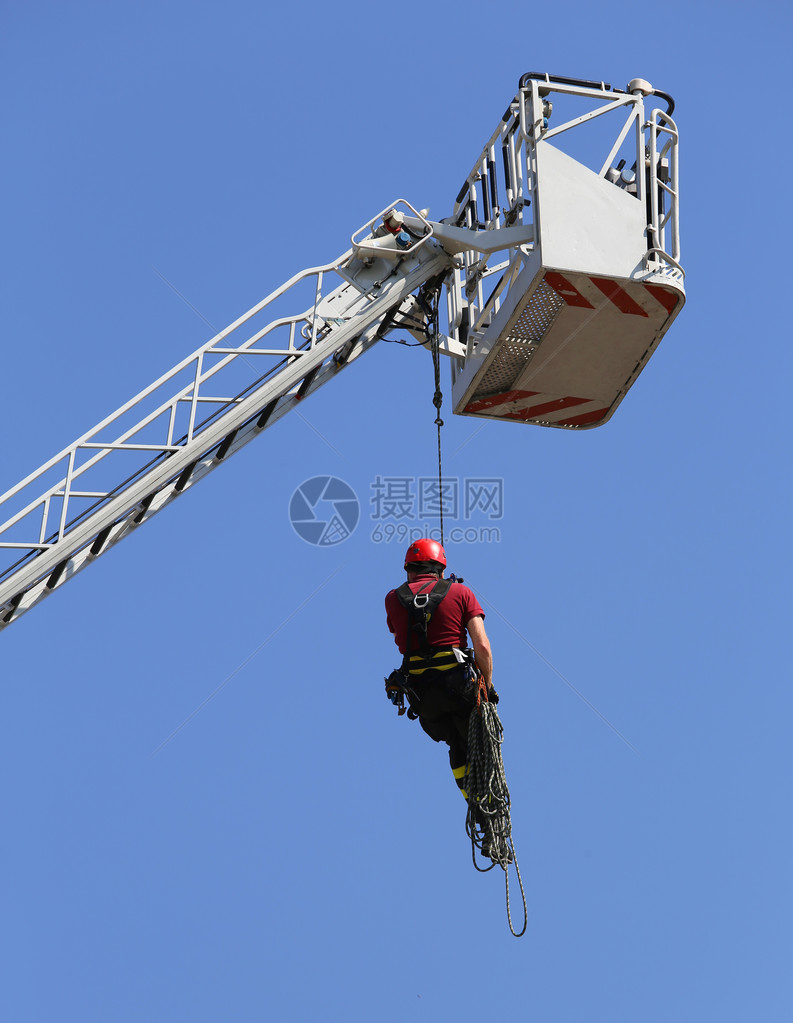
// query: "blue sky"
[[210, 811]]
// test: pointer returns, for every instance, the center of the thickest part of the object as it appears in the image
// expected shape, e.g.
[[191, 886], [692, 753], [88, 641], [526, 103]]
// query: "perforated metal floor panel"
[[514, 352], [571, 350]]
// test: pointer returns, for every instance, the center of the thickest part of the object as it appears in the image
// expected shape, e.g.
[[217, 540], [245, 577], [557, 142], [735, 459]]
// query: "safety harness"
[[420, 655], [421, 606]]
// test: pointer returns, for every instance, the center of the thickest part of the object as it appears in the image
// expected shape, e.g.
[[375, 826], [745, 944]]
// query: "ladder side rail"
[[49, 568], [530, 123], [107, 448], [63, 488], [660, 123], [121, 441], [641, 177], [169, 374], [134, 518], [189, 392], [510, 177], [108, 536]]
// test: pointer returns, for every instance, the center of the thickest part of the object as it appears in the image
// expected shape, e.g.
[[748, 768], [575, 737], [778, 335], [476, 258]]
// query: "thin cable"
[[437, 399]]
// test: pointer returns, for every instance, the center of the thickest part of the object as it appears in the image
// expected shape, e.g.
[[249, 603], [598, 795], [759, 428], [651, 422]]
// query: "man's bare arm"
[[481, 645]]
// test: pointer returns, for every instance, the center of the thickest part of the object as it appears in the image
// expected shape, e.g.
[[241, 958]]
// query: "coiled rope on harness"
[[488, 822]]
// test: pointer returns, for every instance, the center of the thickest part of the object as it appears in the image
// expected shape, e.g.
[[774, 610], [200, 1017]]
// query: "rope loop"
[[488, 821]]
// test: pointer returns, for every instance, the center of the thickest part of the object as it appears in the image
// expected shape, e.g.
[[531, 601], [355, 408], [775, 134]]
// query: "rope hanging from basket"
[[437, 399], [488, 821]]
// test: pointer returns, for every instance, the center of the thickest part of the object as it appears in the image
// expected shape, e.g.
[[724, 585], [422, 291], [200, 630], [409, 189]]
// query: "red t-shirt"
[[448, 622]]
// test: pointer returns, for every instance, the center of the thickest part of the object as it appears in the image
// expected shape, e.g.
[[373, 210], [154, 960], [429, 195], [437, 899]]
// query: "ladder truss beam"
[[361, 306]]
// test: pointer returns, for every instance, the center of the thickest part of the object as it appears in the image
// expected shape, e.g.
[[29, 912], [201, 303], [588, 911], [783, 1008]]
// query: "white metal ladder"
[[128, 467], [561, 279]]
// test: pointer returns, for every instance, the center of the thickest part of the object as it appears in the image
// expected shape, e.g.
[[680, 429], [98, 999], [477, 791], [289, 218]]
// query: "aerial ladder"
[[549, 287]]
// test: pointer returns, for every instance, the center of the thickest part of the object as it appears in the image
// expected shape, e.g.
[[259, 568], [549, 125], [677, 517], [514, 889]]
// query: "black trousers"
[[443, 701]]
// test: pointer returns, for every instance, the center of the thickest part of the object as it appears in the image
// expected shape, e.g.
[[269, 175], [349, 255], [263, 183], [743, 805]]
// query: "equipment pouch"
[[395, 689]]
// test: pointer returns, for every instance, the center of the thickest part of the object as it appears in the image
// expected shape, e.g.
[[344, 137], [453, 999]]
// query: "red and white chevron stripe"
[[633, 298], [593, 346], [525, 406]]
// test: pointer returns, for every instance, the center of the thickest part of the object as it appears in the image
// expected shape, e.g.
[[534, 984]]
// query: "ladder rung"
[[185, 475], [269, 408], [101, 540], [130, 447], [223, 450], [144, 507], [307, 381], [13, 604], [55, 575]]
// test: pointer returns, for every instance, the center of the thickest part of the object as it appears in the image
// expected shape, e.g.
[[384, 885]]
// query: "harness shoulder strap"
[[421, 606], [407, 597]]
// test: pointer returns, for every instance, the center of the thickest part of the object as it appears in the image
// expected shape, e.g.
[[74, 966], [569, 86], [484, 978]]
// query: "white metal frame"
[[507, 167], [84, 500]]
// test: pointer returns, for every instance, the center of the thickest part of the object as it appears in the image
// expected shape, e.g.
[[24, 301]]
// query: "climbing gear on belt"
[[396, 689]]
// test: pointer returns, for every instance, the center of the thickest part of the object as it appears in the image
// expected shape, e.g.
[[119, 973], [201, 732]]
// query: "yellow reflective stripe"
[[465, 794], [440, 660], [460, 772], [432, 667]]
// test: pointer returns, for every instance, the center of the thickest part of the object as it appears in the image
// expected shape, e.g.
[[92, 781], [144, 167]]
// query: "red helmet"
[[425, 550]]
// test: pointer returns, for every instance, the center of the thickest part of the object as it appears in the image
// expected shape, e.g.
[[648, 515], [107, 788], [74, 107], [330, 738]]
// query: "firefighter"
[[429, 617]]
